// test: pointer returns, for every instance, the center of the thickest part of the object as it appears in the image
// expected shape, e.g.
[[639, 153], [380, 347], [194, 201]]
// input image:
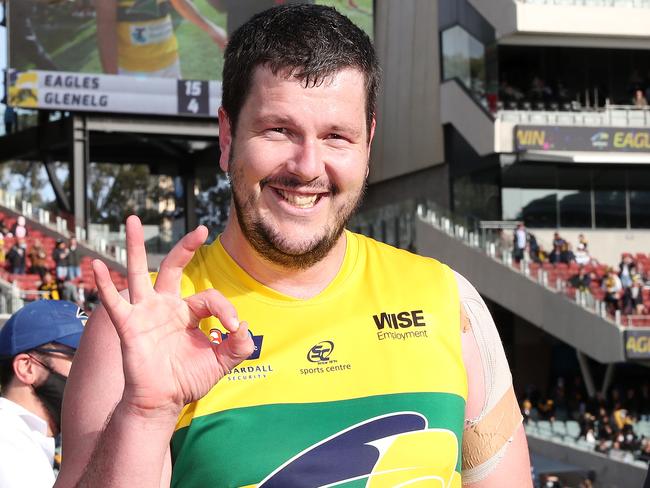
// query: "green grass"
[[201, 59]]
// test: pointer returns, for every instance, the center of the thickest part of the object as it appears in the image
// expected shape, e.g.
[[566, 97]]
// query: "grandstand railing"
[[609, 116], [591, 3], [99, 242], [395, 225]]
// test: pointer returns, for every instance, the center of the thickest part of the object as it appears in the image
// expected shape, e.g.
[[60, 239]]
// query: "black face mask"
[[50, 392]]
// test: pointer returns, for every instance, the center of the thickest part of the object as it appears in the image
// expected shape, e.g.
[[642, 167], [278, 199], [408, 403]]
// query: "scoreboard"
[[54, 90]]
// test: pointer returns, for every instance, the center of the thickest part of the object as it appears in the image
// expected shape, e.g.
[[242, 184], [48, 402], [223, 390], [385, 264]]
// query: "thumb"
[[236, 349]]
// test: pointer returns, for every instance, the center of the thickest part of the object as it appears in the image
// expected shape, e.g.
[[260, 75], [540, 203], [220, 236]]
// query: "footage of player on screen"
[[136, 37]]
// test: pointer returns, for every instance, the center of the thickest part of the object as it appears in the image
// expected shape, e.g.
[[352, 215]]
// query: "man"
[[60, 256], [355, 365], [16, 257], [74, 260], [36, 348]]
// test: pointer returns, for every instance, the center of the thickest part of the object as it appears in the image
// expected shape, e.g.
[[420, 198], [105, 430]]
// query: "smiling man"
[[363, 364]]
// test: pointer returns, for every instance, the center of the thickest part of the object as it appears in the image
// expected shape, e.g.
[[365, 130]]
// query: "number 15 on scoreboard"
[[193, 97]]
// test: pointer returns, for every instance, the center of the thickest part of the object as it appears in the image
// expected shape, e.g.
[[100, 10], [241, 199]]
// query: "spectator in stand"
[[566, 254], [60, 256], [19, 229], [546, 410], [583, 240], [38, 259], [627, 268], [16, 257], [639, 99], [580, 281], [535, 252], [4, 230], [613, 289], [50, 288], [633, 297], [520, 242], [74, 260], [556, 252], [582, 255], [2, 250]]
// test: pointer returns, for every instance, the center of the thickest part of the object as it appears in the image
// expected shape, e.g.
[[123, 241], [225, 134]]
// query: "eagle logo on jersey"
[[391, 450]]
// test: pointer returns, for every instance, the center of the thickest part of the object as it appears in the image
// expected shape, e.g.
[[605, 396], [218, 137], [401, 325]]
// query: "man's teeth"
[[297, 200]]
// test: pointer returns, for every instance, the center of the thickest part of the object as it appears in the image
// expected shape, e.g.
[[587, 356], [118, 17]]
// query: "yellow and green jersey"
[[362, 385], [146, 40]]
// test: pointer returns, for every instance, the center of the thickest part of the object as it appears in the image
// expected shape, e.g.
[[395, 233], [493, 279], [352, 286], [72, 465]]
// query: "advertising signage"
[[637, 344], [571, 138], [159, 57]]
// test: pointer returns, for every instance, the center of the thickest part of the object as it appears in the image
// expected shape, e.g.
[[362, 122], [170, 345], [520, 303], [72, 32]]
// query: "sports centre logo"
[[321, 356], [397, 449], [321, 352]]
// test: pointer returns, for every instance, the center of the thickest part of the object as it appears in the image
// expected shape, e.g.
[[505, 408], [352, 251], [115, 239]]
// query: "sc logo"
[[321, 352]]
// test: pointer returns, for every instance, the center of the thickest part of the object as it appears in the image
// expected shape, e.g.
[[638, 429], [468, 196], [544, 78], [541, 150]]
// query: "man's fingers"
[[137, 270], [171, 268], [236, 349], [208, 303], [116, 306]]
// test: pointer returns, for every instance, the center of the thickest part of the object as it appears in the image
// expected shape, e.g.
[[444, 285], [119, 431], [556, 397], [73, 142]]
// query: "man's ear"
[[225, 139], [25, 369]]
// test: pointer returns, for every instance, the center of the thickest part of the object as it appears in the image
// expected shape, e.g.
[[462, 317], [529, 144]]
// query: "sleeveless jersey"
[[361, 385], [146, 40]]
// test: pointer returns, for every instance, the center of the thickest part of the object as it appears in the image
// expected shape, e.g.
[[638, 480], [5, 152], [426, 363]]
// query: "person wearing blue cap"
[[37, 345]]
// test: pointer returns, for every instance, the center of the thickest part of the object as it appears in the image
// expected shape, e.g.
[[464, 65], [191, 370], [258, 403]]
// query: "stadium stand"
[[16, 288]]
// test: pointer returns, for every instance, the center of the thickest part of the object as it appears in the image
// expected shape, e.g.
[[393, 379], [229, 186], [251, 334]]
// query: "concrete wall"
[[544, 308], [522, 23], [604, 245], [609, 473], [409, 133]]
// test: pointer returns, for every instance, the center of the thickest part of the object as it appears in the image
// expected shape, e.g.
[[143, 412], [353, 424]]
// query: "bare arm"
[[508, 464], [155, 359], [93, 390], [106, 14], [189, 11]]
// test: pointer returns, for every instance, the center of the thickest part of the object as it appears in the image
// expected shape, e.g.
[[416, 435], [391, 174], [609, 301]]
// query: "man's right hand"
[[167, 360]]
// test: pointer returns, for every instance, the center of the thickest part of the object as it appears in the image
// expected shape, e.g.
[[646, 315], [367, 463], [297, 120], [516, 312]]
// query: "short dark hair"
[[312, 42]]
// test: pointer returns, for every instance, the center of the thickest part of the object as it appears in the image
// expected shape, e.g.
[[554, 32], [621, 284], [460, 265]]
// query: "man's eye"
[[335, 136], [279, 130]]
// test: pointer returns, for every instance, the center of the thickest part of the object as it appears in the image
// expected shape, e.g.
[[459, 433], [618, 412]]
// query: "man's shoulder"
[[374, 248]]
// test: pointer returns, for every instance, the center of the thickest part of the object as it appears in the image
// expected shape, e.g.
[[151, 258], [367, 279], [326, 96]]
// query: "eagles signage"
[[637, 344], [570, 138], [130, 56]]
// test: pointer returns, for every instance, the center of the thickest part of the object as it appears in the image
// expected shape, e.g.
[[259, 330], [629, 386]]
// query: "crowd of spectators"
[[607, 422], [57, 271], [621, 288], [541, 95]]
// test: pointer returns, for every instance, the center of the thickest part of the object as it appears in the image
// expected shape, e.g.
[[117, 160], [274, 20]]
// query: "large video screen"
[[159, 57]]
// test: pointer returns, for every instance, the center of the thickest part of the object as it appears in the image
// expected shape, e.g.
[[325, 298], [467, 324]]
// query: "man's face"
[[298, 163]]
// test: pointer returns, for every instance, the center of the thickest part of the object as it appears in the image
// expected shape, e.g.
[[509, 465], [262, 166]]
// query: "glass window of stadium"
[[463, 58], [554, 196]]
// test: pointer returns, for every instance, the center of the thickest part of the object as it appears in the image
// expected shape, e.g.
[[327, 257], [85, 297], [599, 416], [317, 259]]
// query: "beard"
[[271, 244]]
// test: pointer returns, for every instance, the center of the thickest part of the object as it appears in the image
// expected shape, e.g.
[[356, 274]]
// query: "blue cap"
[[41, 322]]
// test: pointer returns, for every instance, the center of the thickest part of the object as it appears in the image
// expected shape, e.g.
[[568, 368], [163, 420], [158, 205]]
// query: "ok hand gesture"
[[167, 361]]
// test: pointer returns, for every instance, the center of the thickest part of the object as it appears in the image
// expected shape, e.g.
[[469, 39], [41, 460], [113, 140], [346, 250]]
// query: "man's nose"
[[307, 162]]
